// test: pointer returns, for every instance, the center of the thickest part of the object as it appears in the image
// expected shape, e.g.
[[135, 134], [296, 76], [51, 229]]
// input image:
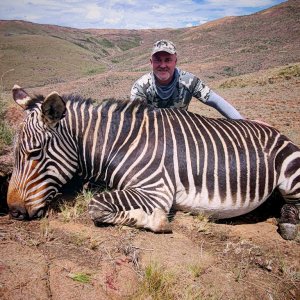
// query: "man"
[[168, 86]]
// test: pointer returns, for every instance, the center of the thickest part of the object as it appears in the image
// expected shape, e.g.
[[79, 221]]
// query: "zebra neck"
[[101, 132]]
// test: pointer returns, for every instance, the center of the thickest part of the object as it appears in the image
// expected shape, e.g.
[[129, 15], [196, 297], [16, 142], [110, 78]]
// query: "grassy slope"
[[43, 54], [38, 60]]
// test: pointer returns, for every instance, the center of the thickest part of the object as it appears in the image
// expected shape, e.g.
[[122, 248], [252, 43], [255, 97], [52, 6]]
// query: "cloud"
[[93, 12], [130, 14]]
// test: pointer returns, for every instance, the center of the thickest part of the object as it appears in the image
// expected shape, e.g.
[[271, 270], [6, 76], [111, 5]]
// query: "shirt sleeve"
[[201, 90], [222, 106]]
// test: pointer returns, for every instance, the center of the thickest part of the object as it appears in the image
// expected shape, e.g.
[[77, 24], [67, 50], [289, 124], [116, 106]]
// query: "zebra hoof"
[[159, 222], [288, 231], [164, 227]]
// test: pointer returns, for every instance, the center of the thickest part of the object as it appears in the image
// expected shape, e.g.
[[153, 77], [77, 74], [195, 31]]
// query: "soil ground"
[[243, 258], [237, 259]]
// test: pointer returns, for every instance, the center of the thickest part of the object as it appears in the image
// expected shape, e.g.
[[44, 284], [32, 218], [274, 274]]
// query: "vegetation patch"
[[156, 284], [230, 71], [6, 135], [71, 212], [126, 44], [105, 43], [289, 72], [81, 277], [6, 132], [266, 77], [94, 71], [196, 270]]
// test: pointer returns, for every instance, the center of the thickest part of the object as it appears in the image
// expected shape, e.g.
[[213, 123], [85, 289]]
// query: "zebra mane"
[[119, 104], [78, 98]]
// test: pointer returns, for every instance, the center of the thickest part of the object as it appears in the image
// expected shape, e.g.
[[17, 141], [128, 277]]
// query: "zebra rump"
[[151, 159]]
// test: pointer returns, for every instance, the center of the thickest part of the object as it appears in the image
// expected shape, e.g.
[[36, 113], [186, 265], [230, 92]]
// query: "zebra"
[[153, 160]]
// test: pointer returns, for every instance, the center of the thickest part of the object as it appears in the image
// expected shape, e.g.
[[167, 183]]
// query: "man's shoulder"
[[187, 79], [146, 79], [185, 74]]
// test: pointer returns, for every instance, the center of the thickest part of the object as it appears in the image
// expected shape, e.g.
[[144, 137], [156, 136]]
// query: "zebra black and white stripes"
[[154, 159]]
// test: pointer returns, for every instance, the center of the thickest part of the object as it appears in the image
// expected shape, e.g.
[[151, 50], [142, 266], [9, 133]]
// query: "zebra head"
[[40, 167]]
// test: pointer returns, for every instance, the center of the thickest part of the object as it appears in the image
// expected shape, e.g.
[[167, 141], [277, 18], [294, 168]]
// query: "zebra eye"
[[34, 154]]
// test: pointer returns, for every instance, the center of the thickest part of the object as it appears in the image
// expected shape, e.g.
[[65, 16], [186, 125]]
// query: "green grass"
[[126, 44], [6, 131], [105, 43], [6, 135], [40, 60], [81, 277], [94, 71]]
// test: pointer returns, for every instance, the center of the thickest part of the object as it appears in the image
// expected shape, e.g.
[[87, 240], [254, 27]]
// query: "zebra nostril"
[[17, 214], [40, 213]]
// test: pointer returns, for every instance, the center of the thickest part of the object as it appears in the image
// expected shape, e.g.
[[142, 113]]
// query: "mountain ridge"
[[222, 48]]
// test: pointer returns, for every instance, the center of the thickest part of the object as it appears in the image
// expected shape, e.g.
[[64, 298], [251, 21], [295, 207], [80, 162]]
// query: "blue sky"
[[128, 14]]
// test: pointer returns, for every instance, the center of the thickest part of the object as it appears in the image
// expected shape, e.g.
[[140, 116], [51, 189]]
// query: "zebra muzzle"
[[18, 214], [22, 214]]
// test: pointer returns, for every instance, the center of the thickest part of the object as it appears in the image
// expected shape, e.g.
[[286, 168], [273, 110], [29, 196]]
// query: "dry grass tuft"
[[156, 284], [71, 211]]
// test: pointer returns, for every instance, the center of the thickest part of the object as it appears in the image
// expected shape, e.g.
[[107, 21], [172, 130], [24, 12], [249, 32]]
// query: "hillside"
[[43, 54]]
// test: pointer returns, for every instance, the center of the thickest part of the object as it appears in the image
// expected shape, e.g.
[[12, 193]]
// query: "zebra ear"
[[21, 97], [53, 109]]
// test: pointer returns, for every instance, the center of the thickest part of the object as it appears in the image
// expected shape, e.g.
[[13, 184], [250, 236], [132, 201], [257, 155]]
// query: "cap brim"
[[163, 50]]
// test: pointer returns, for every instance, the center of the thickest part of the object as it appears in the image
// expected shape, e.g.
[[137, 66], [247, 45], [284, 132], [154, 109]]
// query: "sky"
[[128, 14]]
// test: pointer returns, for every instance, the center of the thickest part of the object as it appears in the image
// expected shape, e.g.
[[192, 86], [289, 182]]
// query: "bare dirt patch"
[[41, 259]]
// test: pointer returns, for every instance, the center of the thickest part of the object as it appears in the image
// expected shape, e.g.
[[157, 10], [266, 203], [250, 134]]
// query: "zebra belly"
[[216, 207]]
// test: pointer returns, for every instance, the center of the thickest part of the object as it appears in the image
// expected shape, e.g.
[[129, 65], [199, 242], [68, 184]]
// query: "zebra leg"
[[288, 227], [290, 190], [130, 207]]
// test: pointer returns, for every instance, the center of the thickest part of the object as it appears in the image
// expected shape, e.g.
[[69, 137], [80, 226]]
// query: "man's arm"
[[202, 92], [222, 106]]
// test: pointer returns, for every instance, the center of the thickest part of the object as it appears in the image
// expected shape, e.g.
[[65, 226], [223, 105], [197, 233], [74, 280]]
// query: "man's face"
[[163, 65]]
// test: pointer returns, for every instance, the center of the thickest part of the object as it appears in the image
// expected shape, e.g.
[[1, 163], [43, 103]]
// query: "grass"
[[93, 71], [202, 222], [78, 239], [126, 44], [289, 72], [45, 229], [289, 272], [40, 60], [230, 71], [156, 284], [105, 43], [6, 132], [196, 270], [264, 78], [70, 212], [81, 277]]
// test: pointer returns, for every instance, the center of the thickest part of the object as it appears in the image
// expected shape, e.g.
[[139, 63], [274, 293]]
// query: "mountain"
[[38, 55]]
